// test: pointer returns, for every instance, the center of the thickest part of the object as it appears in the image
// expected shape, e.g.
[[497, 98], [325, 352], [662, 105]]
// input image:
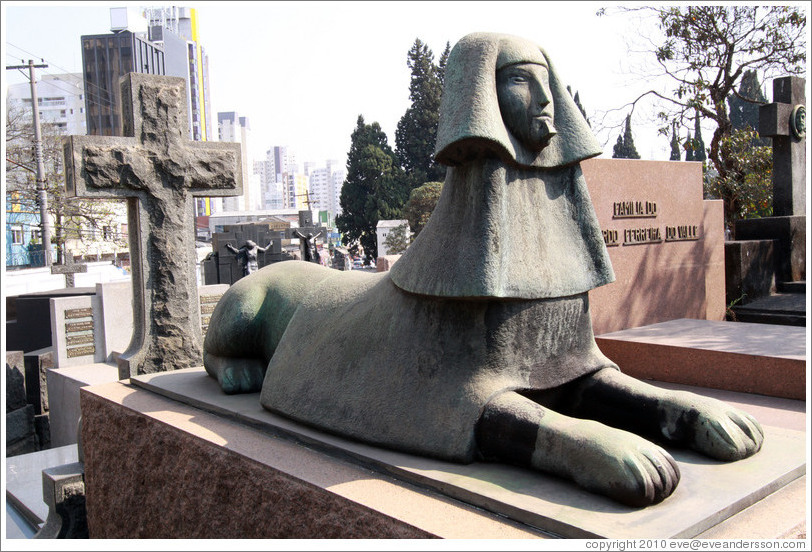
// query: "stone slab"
[[790, 235], [749, 270], [752, 358], [709, 492], [63, 397], [24, 480]]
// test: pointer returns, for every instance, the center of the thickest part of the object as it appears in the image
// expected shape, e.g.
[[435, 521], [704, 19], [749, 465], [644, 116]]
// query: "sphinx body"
[[478, 343]]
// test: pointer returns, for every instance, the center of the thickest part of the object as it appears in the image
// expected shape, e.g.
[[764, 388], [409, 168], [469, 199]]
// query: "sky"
[[302, 72]]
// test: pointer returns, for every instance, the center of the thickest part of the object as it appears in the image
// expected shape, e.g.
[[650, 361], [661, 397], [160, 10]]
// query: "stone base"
[[749, 270], [767, 359], [224, 467], [790, 232], [63, 392]]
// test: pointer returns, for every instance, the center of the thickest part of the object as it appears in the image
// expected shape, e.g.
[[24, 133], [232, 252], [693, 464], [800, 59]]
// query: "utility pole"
[[42, 194]]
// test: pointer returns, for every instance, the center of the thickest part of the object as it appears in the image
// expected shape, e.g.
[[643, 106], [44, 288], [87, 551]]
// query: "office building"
[[233, 128]]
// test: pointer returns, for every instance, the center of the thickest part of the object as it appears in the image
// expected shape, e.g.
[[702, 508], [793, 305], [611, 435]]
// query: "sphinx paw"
[[714, 428], [634, 472]]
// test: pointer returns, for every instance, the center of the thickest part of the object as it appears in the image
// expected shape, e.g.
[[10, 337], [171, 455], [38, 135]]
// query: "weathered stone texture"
[[268, 503]]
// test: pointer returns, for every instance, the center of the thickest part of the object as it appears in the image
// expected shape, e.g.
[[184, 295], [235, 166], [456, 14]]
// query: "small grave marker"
[[69, 268]]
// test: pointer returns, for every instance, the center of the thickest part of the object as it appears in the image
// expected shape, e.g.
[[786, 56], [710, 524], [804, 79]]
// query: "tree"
[[675, 153], [689, 148], [370, 192], [744, 105], [698, 145], [747, 187], [72, 218], [624, 148], [577, 100], [397, 241], [705, 51], [416, 131], [421, 204]]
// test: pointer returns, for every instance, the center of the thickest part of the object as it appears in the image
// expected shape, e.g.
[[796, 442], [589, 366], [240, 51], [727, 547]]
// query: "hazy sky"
[[302, 72]]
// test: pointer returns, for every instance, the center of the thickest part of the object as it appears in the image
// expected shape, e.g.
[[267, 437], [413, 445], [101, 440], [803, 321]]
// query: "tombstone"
[[160, 172], [784, 121], [69, 268]]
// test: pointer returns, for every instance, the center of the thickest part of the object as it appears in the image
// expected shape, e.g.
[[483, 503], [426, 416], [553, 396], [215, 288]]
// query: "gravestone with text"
[[159, 172]]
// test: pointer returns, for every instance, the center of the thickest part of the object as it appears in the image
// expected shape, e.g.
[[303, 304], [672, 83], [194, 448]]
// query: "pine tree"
[[675, 155], [689, 148], [369, 193], [624, 148], [699, 143], [416, 132]]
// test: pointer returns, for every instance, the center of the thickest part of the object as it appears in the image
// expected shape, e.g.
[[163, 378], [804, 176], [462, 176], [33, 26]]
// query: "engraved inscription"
[[634, 209], [636, 236], [81, 351], [78, 313], [207, 308], [79, 326], [611, 238], [209, 299], [79, 339], [681, 233]]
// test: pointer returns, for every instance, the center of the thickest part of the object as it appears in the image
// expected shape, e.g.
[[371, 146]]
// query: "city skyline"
[[302, 72]]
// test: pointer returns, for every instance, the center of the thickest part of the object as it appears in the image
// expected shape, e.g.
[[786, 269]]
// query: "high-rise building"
[[60, 98], [325, 187], [169, 47], [176, 29], [105, 59], [233, 128]]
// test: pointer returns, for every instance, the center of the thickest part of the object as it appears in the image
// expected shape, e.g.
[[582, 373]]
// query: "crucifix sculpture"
[[159, 171], [784, 121]]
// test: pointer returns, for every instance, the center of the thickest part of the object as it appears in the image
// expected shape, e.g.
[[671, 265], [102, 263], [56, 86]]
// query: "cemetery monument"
[[478, 343]]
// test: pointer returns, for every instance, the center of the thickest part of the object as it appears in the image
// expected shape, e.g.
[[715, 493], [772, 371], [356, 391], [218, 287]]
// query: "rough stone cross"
[[159, 171], [69, 268], [785, 122]]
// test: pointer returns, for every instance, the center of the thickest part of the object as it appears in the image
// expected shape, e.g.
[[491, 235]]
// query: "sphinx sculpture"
[[478, 344]]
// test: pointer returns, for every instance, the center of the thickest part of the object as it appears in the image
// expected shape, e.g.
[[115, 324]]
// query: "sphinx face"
[[526, 103]]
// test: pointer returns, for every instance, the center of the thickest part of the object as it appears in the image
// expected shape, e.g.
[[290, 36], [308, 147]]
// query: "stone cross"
[[160, 172], [69, 268], [785, 122]]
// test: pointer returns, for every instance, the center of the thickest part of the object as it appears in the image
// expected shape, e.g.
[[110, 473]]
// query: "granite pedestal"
[[213, 465], [767, 359]]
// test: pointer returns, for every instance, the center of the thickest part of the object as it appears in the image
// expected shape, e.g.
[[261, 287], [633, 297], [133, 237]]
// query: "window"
[[107, 233], [17, 235], [35, 235]]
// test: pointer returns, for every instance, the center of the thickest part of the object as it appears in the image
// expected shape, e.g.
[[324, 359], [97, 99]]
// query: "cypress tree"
[[744, 106], [369, 193], [674, 144], [689, 148], [698, 143], [624, 148], [416, 132]]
